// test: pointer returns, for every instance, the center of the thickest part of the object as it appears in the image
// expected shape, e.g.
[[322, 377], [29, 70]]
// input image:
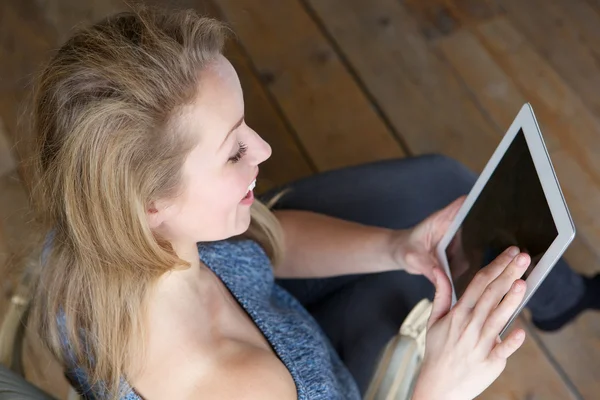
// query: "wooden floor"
[[333, 83]]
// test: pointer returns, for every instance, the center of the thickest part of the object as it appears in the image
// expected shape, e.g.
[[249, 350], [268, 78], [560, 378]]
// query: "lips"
[[251, 187]]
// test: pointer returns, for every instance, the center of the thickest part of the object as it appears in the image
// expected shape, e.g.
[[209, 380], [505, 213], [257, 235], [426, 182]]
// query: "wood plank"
[[587, 21], [499, 95], [577, 346], [528, 376], [62, 17], [581, 254], [595, 4], [564, 117], [7, 162], [15, 213], [18, 29], [492, 88], [422, 98], [502, 99], [331, 115], [439, 18], [556, 37], [577, 349], [288, 161]]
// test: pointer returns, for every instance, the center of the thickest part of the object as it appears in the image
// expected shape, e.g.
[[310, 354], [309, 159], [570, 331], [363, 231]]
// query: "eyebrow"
[[237, 125]]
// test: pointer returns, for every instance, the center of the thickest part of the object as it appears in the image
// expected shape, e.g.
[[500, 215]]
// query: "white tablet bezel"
[[525, 121]]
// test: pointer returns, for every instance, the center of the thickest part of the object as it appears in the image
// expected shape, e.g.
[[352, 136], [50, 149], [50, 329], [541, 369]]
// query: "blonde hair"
[[106, 145]]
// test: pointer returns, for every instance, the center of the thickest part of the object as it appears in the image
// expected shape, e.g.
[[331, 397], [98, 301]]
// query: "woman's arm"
[[317, 245]]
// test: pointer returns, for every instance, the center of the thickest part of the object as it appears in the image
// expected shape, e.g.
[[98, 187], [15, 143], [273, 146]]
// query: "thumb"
[[441, 220], [428, 263], [442, 299]]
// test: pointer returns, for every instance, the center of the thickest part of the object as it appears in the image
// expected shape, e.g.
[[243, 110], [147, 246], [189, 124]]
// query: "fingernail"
[[513, 251], [522, 260], [517, 287]]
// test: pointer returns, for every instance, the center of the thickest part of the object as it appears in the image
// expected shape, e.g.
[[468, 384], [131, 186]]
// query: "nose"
[[262, 150]]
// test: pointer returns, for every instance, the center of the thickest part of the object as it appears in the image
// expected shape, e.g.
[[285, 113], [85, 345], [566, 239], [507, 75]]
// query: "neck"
[[187, 251]]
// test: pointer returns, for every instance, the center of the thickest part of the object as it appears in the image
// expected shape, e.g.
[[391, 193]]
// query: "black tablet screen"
[[510, 210]]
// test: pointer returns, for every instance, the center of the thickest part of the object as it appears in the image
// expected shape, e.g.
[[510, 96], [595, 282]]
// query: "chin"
[[243, 223]]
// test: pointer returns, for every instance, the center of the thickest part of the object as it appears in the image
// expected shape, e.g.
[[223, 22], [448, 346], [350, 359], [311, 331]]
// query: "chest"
[[204, 312], [195, 332]]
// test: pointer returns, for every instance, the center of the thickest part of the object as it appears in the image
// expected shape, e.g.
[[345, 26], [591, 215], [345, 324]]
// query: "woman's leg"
[[360, 313]]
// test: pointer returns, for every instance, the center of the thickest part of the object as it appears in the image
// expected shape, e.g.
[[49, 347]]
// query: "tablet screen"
[[510, 210]]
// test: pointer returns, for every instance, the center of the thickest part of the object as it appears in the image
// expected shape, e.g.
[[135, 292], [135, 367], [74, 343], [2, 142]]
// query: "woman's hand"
[[464, 353], [414, 250]]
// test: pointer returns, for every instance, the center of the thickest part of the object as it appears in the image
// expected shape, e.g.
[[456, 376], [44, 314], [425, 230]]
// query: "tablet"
[[517, 201]]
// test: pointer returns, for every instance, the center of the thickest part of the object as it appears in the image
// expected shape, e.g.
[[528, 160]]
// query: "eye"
[[240, 153]]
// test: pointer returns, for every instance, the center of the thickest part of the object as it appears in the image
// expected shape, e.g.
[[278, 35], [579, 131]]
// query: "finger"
[[507, 347], [426, 262], [484, 277], [500, 316], [451, 208], [428, 271], [444, 218], [442, 299], [493, 294], [450, 211]]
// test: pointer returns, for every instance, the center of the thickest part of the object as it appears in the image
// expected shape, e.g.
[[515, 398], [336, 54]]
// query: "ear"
[[156, 214]]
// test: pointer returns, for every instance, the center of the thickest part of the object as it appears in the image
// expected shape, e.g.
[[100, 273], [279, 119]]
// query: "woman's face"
[[220, 170]]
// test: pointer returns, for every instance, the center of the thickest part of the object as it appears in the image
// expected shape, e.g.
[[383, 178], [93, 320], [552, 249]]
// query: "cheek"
[[212, 200], [211, 209]]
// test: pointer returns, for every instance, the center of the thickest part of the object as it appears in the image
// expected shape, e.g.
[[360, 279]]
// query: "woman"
[[159, 278]]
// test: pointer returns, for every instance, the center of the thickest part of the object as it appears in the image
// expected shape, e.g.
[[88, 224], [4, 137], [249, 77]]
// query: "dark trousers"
[[360, 313]]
